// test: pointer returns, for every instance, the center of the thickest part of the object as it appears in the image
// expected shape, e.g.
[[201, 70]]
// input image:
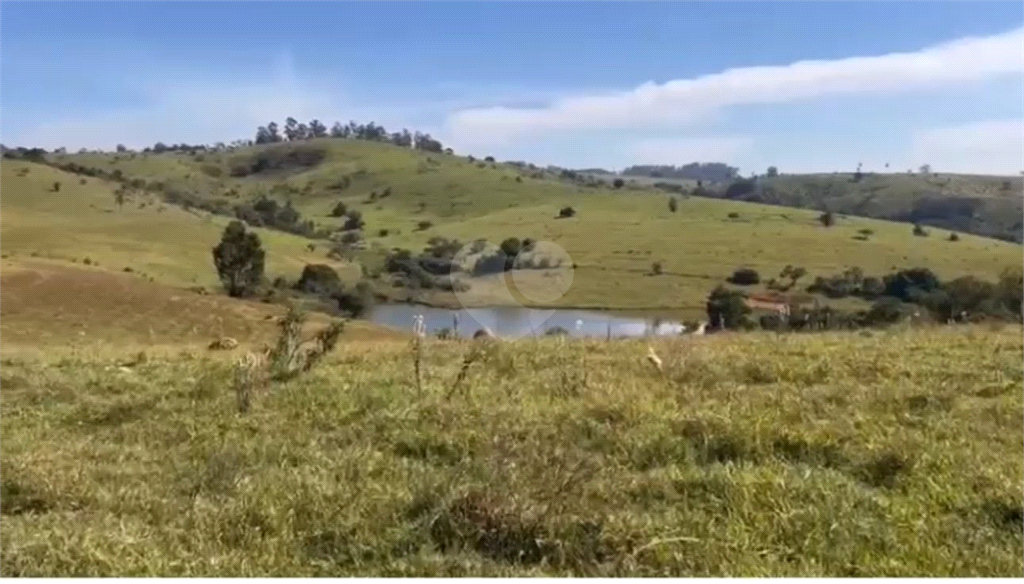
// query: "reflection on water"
[[518, 321]]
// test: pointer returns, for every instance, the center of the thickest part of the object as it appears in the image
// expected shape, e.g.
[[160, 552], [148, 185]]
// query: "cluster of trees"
[[240, 260], [511, 254], [266, 212], [160, 148], [895, 296], [711, 172], [20, 153], [295, 131], [435, 267]]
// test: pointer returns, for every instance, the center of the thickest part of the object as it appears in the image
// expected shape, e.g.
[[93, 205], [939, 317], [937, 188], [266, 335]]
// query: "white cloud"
[[685, 150], [189, 110], [685, 101], [988, 147]]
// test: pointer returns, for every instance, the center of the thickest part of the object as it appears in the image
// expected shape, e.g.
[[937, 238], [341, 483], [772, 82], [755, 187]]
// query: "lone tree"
[[772, 172], [239, 260], [727, 309], [511, 248], [827, 219], [673, 205]]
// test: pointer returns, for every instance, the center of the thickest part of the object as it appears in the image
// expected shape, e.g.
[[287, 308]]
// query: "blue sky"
[[806, 86]]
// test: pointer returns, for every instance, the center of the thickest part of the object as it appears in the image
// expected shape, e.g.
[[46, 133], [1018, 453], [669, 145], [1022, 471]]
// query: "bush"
[[733, 215], [566, 212], [954, 237], [871, 288], [440, 247], [793, 273], [827, 219], [383, 233], [339, 210], [884, 312], [617, 183], [424, 225], [354, 221], [239, 260], [355, 302], [489, 264], [904, 284], [56, 187], [511, 246], [673, 205], [319, 279], [745, 277], [656, 268], [919, 231]]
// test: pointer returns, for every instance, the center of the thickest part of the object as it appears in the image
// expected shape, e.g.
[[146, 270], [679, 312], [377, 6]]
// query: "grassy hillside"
[[614, 239], [755, 455], [82, 221], [985, 205]]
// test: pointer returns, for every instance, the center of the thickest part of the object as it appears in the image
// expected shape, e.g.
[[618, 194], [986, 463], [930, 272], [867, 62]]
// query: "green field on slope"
[[82, 221], [982, 205], [614, 239]]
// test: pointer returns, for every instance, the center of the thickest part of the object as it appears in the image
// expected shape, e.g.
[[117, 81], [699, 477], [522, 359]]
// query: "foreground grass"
[[893, 454]]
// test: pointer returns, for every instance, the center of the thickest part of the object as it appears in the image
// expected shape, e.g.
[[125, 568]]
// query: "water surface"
[[518, 321]]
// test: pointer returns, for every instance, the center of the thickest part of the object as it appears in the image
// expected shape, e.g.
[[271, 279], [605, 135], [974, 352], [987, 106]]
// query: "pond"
[[518, 321]]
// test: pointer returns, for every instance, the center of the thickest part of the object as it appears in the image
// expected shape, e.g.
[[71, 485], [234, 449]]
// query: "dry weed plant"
[[290, 357], [419, 330], [477, 352]]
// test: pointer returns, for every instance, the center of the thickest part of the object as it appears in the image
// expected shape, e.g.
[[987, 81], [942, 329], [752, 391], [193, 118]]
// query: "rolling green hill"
[[991, 206], [82, 221], [407, 197]]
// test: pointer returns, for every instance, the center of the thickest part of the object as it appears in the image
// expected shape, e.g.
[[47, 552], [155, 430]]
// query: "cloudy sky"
[[805, 86]]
